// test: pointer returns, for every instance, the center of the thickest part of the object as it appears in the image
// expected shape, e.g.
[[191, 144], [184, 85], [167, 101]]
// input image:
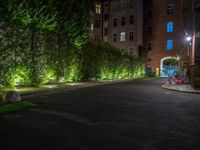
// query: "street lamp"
[[188, 38]]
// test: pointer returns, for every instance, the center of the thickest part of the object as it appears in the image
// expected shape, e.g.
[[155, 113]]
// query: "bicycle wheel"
[[171, 80]]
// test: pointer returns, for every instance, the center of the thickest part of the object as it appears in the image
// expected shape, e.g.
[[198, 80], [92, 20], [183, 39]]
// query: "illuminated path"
[[136, 115]]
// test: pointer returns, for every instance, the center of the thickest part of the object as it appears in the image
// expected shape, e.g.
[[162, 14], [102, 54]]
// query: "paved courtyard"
[[134, 115]]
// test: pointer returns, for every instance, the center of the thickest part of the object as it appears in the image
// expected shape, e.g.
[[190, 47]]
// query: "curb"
[[69, 88], [166, 86]]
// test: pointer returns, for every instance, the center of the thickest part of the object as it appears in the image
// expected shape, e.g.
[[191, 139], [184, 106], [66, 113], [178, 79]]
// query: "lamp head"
[[188, 38]]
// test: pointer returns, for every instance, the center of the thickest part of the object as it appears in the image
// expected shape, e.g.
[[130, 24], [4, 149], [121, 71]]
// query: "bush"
[[53, 59]]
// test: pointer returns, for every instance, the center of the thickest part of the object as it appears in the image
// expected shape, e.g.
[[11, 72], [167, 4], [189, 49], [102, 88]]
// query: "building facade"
[[163, 35], [161, 26], [118, 22]]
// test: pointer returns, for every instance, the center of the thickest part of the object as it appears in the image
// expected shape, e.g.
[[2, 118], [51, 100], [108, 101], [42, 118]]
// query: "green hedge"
[[33, 59]]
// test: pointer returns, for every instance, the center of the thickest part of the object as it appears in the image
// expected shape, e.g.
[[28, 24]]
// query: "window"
[[97, 37], [97, 23], [150, 30], [92, 27], [170, 26], [114, 37], [123, 5], [98, 9], [131, 19], [123, 21], [150, 13], [131, 36], [123, 36], [149, 46], [115, 6], [170, 44], [130, 50], [131, 4], [105, 31], [105, 17], [115, 22], [170, 9]]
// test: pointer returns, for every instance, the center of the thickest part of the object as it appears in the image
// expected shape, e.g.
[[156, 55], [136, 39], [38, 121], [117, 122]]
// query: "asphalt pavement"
[[134, 115]]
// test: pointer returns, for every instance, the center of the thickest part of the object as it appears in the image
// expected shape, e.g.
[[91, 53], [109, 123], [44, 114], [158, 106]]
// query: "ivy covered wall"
[[51, 61], [47, 41]]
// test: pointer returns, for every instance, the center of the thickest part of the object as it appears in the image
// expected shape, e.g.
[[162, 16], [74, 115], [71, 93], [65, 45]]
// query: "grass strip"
[[15, 107]]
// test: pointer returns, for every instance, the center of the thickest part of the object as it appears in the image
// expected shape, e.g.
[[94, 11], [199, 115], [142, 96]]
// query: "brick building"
[[118, 22], [161, 26], [163, 35]]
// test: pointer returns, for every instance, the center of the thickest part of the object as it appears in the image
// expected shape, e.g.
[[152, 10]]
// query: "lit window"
[[98, 9], [92, 27], [123, 36], [114, 37], [131, 36], [131, 20], [170, 44], [170, 27], [170, 9]]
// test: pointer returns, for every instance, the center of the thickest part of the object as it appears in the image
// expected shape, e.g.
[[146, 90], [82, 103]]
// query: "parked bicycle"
[[178, 78]]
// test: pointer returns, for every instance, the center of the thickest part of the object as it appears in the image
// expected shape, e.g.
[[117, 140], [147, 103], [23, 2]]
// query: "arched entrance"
[[168, 66]]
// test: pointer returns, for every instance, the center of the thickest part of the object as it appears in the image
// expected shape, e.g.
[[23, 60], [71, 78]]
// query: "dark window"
[[150, 13], [115, 22], [131, 4], [114, 37], [149, 46], [150, 30], [97, 23], [170, 9], [105, 17], [97, 37], [123, 21], [123, 5], [131, 36], [149, 59], [131, 20], [130, 50], [105, 31]]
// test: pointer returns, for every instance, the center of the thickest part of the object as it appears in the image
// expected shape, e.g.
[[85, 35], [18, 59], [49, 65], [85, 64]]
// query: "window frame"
[[131, 19], [122, 36], [98, 9], [115, 38], [170, 45], [170, 9], [131, 36], [123, 21], [170, 26], [115, 22]]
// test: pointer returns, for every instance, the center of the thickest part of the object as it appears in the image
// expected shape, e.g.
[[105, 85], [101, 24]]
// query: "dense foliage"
[[40, 43]]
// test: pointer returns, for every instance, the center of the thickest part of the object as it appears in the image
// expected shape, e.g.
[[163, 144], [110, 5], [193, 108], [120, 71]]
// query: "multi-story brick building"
[[160, 25], [118, 22], [163, 35]]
